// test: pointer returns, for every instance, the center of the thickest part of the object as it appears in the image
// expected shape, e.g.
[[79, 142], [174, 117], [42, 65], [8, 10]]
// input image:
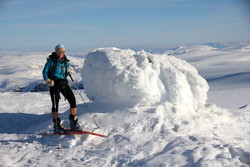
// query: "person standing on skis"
[[55, 74]]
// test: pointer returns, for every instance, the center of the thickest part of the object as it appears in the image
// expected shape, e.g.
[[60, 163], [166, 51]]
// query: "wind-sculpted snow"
[[124, 77], [153, 105]]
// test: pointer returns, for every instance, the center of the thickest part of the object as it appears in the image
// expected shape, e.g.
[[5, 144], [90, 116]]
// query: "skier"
[[55, 74]]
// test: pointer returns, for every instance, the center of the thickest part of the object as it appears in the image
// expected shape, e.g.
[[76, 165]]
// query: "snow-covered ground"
[[153, 104]]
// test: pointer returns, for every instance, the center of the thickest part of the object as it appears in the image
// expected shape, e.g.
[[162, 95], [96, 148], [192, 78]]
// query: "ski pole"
[[54, 105], [83, 100]]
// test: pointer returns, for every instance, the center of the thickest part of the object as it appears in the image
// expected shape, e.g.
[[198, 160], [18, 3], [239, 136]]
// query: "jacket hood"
[[54, 56]]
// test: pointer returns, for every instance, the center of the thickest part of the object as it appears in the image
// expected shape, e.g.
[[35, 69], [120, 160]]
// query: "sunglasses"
[[60, 51]]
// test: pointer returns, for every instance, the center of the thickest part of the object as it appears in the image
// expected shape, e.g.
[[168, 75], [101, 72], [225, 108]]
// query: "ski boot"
[[57, 126], [74, 125]]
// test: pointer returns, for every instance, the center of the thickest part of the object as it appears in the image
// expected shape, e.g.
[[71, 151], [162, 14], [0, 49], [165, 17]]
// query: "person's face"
[[60, 53]]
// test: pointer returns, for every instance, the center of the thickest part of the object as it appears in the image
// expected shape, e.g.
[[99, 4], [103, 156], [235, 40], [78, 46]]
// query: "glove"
[[50, 82], [69, 70]]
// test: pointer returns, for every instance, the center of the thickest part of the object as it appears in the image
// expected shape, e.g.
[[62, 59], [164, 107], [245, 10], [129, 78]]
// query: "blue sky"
[[85, 24]]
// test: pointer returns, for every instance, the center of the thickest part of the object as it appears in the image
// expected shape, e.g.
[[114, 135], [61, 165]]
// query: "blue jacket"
[[54, 68]]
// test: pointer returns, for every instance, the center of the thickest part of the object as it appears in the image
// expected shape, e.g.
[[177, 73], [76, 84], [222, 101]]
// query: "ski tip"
[[44, 133]]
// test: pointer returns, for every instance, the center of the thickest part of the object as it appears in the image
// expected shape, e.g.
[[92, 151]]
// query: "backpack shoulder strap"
[[65, 65], [52, 57]]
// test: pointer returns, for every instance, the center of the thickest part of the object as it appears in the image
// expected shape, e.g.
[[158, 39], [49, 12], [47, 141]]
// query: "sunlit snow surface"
[[153, 104]]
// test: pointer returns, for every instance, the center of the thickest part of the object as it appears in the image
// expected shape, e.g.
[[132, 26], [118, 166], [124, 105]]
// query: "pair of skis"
[[75, 132]]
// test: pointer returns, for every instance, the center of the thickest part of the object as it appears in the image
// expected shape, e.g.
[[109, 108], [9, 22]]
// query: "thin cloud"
[[18, 9], [54, 26], [31, 9]]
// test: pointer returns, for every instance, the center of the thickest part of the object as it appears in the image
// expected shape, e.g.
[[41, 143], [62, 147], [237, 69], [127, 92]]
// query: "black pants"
[[65, 90]]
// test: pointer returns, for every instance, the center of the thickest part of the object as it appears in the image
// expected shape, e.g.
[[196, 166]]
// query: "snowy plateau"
[[182, 107]]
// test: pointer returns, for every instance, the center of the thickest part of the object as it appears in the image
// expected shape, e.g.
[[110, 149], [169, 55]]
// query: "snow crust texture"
[[125, 77], [153, 105]]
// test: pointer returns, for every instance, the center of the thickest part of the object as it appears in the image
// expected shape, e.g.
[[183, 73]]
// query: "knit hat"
[[59, 46]]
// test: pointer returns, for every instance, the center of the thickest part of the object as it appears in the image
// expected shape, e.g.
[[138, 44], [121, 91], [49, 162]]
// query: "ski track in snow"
[[154, 135]]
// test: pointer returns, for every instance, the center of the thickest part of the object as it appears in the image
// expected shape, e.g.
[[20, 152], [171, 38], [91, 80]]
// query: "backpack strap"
[[53, 57]]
